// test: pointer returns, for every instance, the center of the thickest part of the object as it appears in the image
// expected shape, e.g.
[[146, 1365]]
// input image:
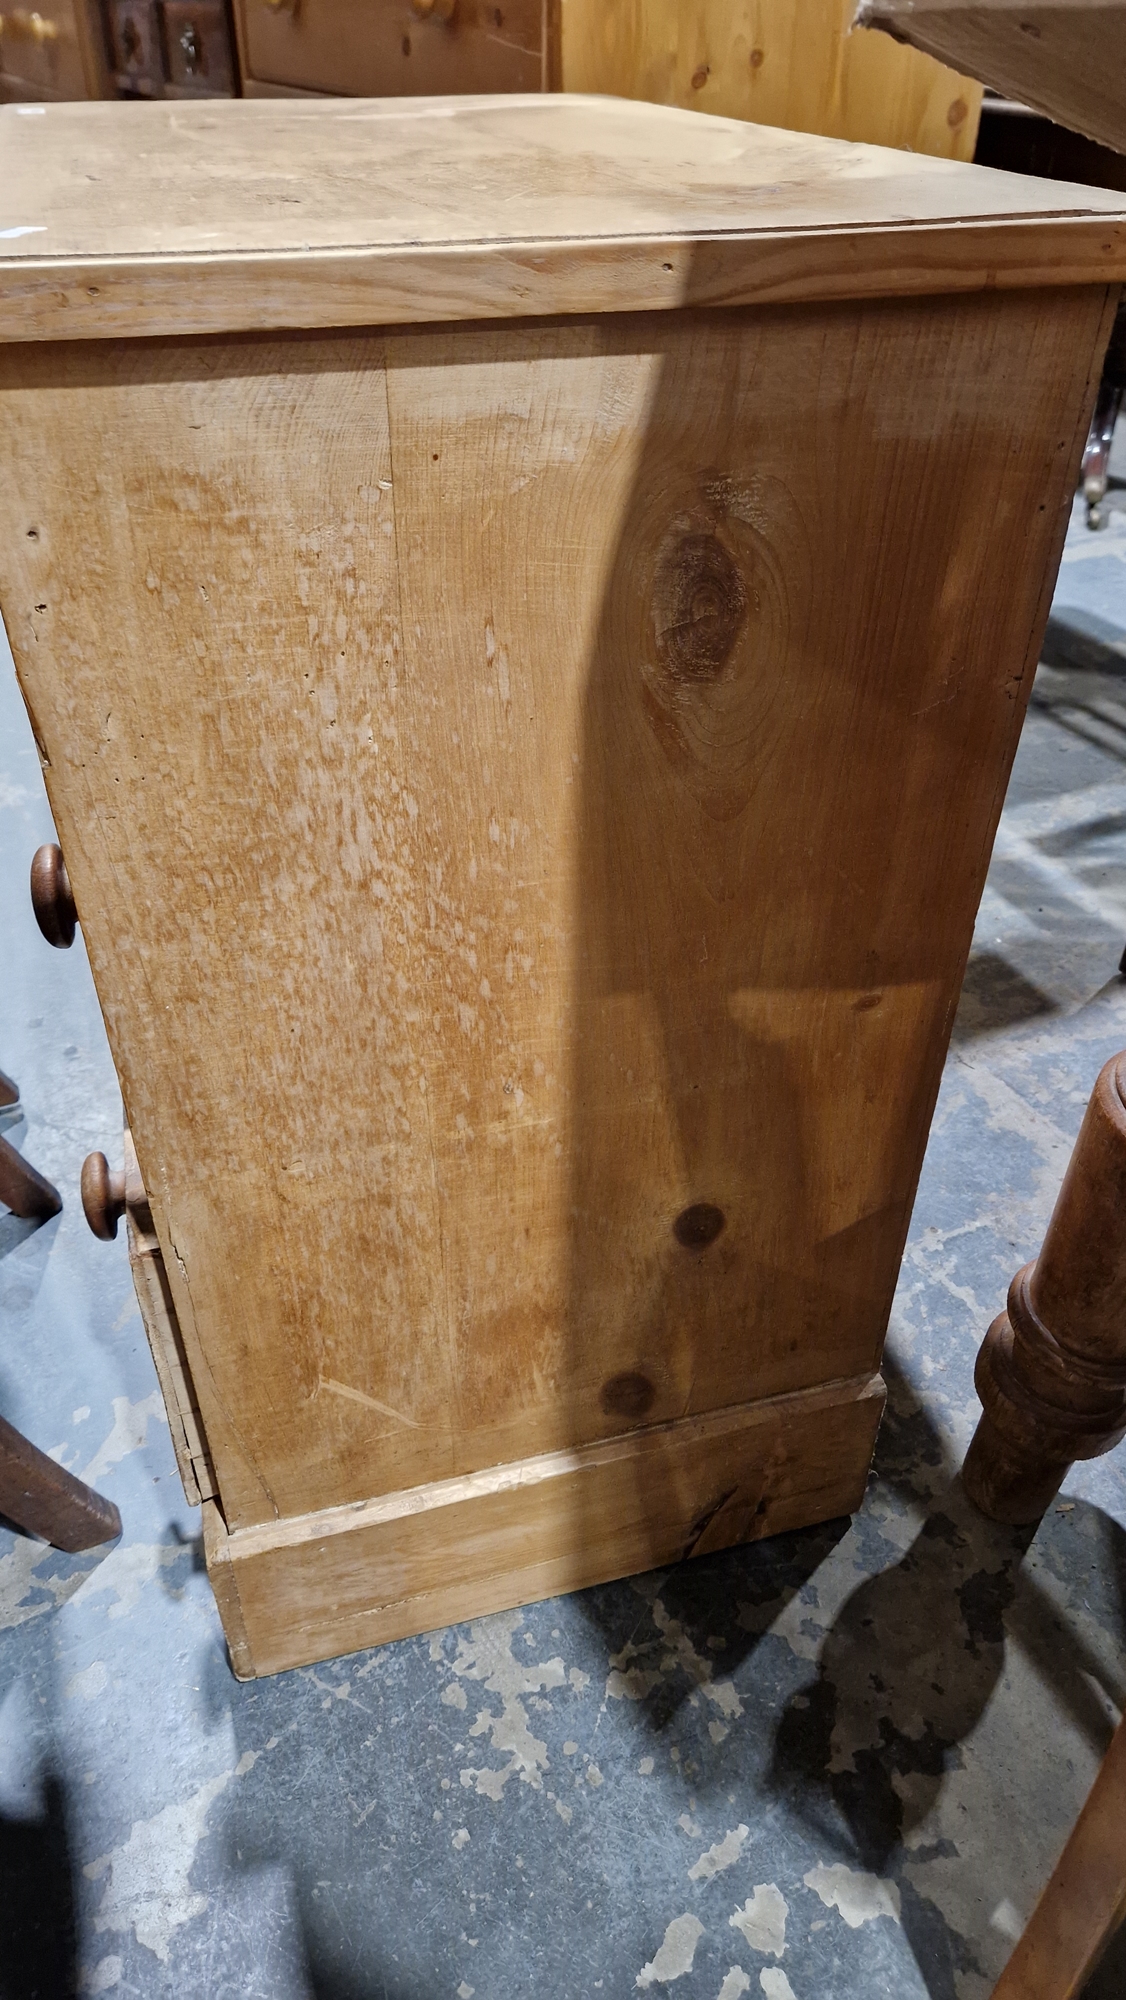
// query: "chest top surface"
[[221, 215]]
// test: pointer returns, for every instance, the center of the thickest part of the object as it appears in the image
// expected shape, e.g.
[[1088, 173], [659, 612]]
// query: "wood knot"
[[628, 1395], [699, 608], [699, 1225]]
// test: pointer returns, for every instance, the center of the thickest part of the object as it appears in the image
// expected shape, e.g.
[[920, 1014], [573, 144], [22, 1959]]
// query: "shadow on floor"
[[1085, 642], [862, 1751], [38, 1959], [908, 1669], [995, 996], [699, 1596]]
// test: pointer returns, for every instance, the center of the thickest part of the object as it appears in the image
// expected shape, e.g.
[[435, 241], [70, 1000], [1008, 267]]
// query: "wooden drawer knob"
[[33, 27], [435, 10], [52, 898], [103, 1195]]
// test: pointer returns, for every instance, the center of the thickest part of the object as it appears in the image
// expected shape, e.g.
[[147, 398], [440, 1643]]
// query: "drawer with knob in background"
[[198, 51], [395, 48], [134, 41], [50, 51], [181, 48], [798, 67]]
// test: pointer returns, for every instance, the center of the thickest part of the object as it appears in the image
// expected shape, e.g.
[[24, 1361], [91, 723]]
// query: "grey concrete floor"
[[837, 1764]]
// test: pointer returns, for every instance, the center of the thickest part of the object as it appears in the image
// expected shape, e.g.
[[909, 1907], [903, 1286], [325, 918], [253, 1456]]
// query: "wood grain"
[[573, 809], [252, 86], [333, 1582], [342, 212], [386, 48], [1051, 1373], [795, 65], [162, 1328], [43, 1498], [52, 898], [528, 786], [23, 1189], [1066, 57]]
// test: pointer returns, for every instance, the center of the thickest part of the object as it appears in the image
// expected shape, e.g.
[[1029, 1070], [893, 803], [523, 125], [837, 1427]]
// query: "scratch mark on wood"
[[372, 1402]]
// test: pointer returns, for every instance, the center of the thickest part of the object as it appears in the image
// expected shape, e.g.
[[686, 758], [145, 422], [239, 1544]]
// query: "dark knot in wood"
[[699, 608], [699, 1225], [628, 1395]]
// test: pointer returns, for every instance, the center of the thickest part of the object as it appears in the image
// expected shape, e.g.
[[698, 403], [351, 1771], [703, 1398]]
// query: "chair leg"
[[1085, 1900], [23, 1190], [9, 1092], [45, 1499], [1096, 456], [1051, 1373]]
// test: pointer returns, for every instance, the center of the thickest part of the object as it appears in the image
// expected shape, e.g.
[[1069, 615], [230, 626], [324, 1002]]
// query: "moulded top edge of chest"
[[172, 217]]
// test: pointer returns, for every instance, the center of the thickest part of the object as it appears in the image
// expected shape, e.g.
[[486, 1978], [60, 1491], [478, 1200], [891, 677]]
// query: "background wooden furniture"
[[1084, 1903], [1052, 1369], [52, 50], [45, 1499], [1065, 57], [394, 48], [789, 62], [526, 785], [1052, 1380], [170, 48], [70, 49], [35, 1493], [795, 63], [23, 1188]]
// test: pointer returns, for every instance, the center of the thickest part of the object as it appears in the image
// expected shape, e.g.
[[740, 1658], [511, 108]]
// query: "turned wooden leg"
[[44, 1499], [1085, 1900], [23, 1190], [1051, 1373], [1095, 469]]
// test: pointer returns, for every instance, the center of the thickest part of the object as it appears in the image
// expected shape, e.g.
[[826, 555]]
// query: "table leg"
[[1051, 1373], [1085, 1900], [22, 1189], [1095, 470], [45, 1499]]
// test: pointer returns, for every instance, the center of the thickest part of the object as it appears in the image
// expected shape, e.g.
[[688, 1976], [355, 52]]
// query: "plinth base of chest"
[[295, 1591]]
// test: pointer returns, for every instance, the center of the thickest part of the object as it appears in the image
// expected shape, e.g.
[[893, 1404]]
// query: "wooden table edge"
[[193, 294]]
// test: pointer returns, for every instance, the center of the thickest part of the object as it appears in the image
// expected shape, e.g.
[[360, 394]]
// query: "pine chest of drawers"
[[526, 605]]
